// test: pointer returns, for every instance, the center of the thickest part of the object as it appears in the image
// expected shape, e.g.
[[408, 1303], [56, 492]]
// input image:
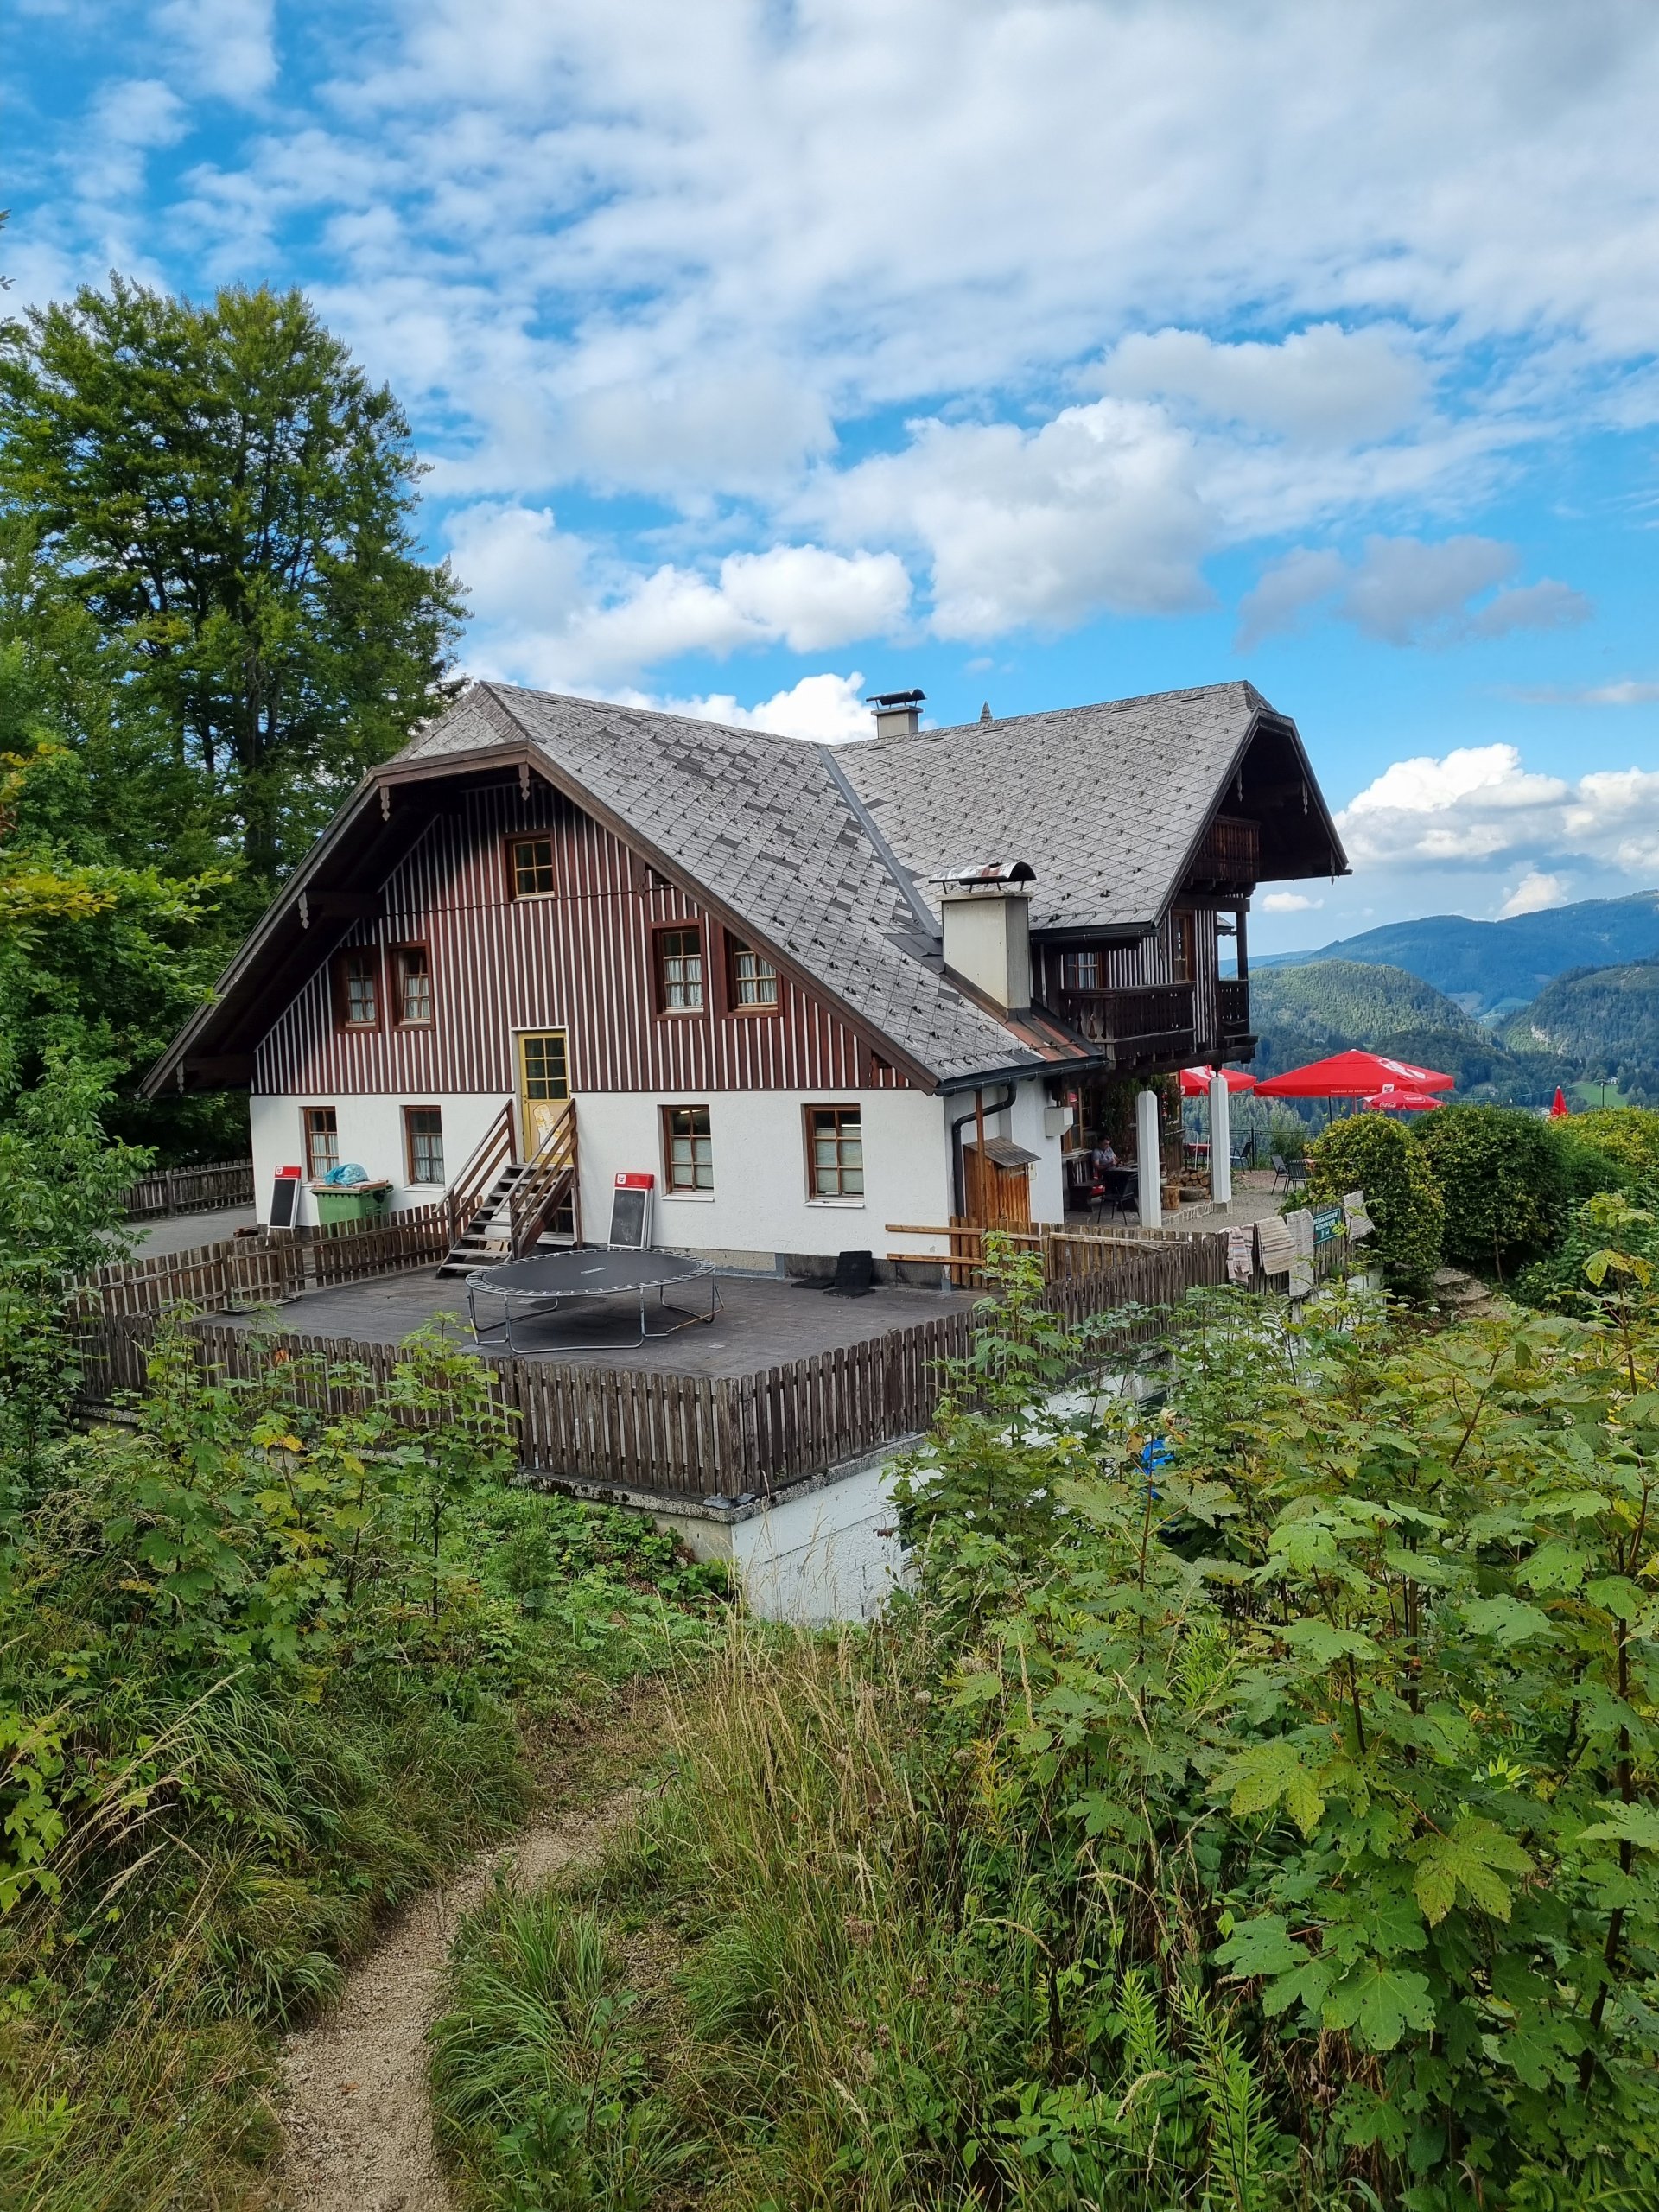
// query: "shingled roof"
[[1106, 802], [761, 824]]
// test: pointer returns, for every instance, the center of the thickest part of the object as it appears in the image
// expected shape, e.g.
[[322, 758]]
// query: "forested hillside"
[[1604, 1019], [1493, 967], [1302, 1013]]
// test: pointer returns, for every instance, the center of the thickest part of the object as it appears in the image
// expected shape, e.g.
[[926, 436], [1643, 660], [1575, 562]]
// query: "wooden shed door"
[[543, 1082], [998, 1197]]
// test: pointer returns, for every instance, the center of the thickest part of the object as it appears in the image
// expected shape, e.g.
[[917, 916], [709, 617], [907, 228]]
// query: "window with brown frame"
[[423, 1143], [688, 1149], [411, 983], [356, 987], [679, 971], [1080, 971], [751, 981], [834, 1152], [321, 1142], [1187, 946], [529, 866]]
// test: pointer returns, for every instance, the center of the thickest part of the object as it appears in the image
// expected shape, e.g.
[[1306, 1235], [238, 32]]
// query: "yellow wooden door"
[[544, 1083]]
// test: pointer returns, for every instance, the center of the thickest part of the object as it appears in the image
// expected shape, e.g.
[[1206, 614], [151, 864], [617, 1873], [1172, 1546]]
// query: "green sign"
[[1327, 1224]]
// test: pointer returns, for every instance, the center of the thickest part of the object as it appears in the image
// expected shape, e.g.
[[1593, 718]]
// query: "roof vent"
[[898, 714]]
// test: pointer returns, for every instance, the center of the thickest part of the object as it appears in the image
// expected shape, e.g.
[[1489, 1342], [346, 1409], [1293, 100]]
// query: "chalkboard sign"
[[284, 1201], [630, 1211]]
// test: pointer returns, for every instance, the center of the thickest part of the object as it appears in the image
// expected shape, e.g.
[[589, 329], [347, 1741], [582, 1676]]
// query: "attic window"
[[357, 989], [1080, 971], [679, 971], [754, 981], [531, 861]]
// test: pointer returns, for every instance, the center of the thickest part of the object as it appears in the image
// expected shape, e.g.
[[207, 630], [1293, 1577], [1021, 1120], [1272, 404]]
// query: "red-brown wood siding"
[[1148, 961], [580, 960]]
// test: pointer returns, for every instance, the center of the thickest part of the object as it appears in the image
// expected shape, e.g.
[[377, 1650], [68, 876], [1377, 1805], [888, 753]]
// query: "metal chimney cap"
[[895, 698], [988, 872]]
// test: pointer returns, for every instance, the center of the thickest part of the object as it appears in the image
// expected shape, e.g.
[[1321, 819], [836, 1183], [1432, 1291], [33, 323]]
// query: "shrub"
[[1631, 1133], [1505, 1190], [1367, 1152], [1587, 1166]]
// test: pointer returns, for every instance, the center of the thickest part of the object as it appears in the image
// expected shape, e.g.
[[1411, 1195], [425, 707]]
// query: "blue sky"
[[768, 354]]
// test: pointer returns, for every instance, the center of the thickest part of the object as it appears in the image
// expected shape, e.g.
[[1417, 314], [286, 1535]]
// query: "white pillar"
[[1148, 1160], [1221, 1141]]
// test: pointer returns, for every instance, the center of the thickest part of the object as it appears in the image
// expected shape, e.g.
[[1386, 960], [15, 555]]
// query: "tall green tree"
[[228, 496]]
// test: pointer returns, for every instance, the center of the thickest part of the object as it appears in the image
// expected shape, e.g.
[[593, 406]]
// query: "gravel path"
[[356, 2114]]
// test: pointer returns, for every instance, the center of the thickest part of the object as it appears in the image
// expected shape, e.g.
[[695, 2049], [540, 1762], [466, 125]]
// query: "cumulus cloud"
[[550, 609], [1403, 591], [1535, 892], [1289, 902], [1478, 807], [222, 47], [1323, 386], [828, 709]]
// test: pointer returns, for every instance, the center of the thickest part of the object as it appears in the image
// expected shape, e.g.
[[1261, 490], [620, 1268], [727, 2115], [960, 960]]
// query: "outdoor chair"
[[854, 1276], [1116, 1191], [1280, 1173], [1298, 1173]]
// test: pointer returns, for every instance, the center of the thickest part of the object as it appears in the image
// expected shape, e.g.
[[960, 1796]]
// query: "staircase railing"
[[548, 1172], [473, 1185]]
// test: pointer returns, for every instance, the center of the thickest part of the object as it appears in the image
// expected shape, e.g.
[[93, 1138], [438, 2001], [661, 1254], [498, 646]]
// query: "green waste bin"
[[352, 1201]]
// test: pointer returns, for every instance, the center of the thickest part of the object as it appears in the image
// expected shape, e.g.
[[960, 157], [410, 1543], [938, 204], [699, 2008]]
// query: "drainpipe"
[[977, 1112]]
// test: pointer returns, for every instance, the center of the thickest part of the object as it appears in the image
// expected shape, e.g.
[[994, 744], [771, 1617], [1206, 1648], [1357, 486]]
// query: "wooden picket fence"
[[690, 1436], [190, 1190], [259, 1270]]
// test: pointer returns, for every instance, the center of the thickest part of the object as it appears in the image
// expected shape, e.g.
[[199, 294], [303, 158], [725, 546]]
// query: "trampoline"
[[537, 1288]]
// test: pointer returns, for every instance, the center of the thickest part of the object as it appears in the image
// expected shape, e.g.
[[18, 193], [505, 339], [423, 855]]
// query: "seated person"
[[1102, 1156]]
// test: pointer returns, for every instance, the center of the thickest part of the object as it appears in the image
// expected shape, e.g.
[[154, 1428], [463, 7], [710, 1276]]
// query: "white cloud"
[[1404, 592], [1627, 691], [1289, 902], [1477, 808], [1534, 893], [549, 611], [829, 709], [1323, 386], [224, 46]]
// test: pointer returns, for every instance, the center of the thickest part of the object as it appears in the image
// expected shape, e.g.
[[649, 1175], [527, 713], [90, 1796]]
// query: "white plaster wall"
[[830, 1555], [1047, 1176], [371, 1133], [760, 1202]]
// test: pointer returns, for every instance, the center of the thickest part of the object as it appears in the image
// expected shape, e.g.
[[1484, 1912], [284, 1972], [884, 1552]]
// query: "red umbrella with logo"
[[1195, 1082], [1352, 1075], [1393, 1101]]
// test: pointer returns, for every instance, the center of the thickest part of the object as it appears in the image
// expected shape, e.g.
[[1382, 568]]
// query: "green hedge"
[[1504, 1181], [1369, 1151]]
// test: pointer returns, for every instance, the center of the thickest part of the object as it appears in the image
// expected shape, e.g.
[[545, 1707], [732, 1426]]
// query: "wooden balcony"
[[1138, 1029], [1233, 1004], [1229, 858]]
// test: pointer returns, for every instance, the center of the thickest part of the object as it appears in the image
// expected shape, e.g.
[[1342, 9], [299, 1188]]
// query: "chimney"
[[898, 714], [986, 913]]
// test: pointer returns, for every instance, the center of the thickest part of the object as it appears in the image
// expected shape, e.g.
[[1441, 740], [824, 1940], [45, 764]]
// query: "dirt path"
[[359, 2120]]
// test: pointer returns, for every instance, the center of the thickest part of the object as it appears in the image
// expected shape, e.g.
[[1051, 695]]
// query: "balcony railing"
[[1229, 859], [1233, 1004], [1142, 1028]]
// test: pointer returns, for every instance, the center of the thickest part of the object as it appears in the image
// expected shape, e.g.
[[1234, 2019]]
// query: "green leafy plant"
[[1369, 1151]]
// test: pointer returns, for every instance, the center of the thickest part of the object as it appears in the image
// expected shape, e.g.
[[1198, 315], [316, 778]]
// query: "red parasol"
[[1393, 1100], [1558, 1105], [1352, 1075], [1195, 1082]]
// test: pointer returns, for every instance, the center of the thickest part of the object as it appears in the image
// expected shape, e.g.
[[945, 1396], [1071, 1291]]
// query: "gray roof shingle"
[[1104, 802], [759, 821]]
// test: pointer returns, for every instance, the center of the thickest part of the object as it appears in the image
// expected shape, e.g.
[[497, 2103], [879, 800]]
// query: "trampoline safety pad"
[[538, 1288]]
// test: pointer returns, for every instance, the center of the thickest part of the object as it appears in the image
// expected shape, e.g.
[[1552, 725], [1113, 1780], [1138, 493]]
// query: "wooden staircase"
[[501, 1208]]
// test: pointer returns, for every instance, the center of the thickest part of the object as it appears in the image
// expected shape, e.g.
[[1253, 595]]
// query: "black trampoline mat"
[[588, 1273]]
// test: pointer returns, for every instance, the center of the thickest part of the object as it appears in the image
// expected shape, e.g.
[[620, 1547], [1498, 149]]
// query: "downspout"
[[958, 1173]]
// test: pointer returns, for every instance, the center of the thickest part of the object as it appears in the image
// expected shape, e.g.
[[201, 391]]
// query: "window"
[[423, 1143], [754, 981], [834, 1152], [530, 865], [411, 968], [679, 971], [1080, 971], [688, 1149], [321, 1142], [1187, 947], [542, 1067], [357, 989]]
